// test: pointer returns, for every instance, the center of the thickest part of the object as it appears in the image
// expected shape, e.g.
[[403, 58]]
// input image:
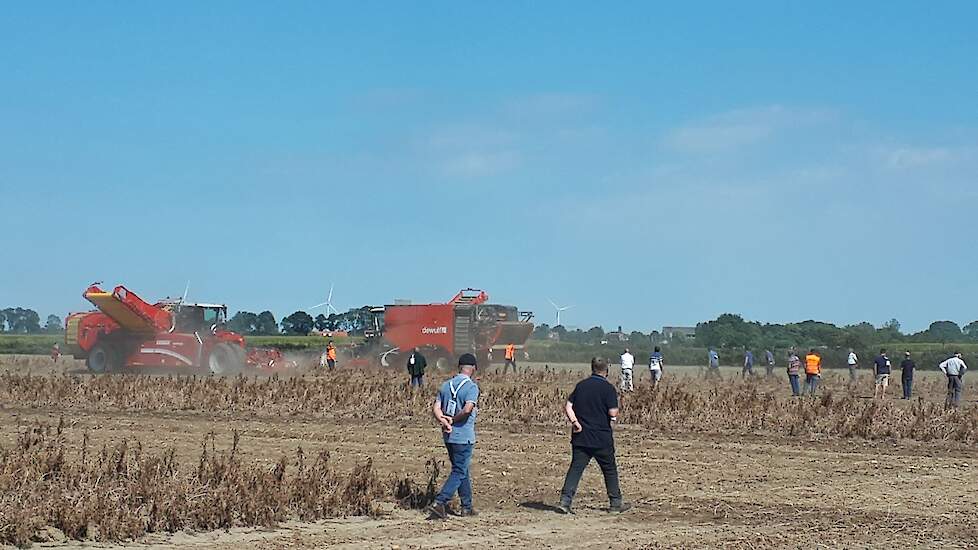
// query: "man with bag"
[[455, 409]]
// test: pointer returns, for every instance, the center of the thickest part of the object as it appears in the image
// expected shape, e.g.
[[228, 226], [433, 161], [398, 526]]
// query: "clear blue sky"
[[648, 165]]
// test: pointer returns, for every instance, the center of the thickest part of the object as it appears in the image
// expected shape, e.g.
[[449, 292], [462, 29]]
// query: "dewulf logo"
[[434, 330]]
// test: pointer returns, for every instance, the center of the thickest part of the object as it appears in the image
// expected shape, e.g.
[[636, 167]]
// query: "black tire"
[[224, 360], [103, 358]]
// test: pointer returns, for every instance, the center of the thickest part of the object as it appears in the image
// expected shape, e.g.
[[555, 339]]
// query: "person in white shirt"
[[954, 368], [853, 362], [627, 363]]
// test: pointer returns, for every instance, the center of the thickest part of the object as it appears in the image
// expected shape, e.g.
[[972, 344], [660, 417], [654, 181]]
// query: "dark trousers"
[[953, 390], [795, 384], [331, 363], [417, 379], [508, 363], [580, 458], [907, 380], [811, 380]]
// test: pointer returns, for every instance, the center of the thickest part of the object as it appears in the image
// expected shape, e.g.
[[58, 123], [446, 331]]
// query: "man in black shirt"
[[882, 366], [907, 366], [591, 409]]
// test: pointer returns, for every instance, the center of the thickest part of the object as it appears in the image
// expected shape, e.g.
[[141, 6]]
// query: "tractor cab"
[[199, 318]]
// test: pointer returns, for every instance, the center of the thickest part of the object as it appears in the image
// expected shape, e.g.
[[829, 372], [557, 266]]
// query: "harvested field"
[[709, 464]]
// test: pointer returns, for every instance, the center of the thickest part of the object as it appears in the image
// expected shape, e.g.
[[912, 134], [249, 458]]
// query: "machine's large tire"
[[103, 358], [224, 360]]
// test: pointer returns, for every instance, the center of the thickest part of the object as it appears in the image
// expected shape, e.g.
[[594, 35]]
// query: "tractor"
[[126, 332]]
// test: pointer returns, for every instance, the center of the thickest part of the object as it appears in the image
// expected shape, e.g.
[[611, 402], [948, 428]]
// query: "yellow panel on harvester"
[[118, 311]]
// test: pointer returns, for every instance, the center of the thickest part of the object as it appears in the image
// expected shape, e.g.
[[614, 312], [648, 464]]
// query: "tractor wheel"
[[442, 359], [103, 358], [224, 360], [240, 355]]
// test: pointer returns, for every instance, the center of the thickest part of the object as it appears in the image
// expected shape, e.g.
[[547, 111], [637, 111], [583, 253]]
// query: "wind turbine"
[[328, 303], [558, 309]]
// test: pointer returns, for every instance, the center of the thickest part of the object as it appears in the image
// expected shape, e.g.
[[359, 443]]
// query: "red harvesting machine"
[[128, 332], [465, 324]]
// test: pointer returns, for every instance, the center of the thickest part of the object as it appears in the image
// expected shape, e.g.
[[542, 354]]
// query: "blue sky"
[[648, 165]]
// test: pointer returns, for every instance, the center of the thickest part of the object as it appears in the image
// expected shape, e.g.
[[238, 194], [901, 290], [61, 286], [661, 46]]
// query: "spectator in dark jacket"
[[416, 364], [907, 366], [592, 409]]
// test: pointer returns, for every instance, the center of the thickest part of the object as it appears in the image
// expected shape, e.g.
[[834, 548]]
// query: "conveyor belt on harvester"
[[121, 312]]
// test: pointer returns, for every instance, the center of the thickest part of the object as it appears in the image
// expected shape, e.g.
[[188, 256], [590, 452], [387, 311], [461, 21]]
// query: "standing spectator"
[[769, 368], [627, 363], [906, 378], [813, 371], [748, 363], [882, 367], [656, 364], [853, 362], [455, 408], [592, 409], [794, 369], [416, 364], [714, 369], [954, 368], [55, 352], [510, 357], [330, 355]]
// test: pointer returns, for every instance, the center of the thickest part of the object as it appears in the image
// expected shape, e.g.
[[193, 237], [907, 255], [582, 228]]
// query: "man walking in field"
[[813, 371], [853, 363], [748, 363], [627, 364], [794, 370], [907, 367], [510, 357], [954, 368], [714, 362], [330, 355], [455, 408], [656, 364], [882, 367], [769, 367], [416, 365], [592, 409]]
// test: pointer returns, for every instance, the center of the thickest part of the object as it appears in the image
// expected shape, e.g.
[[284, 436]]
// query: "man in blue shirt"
[[748, 363], [714, 363], [455, 408], [591, 409]]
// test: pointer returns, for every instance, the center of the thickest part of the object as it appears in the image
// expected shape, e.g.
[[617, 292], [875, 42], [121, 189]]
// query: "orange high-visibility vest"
[[510, 351], [813, 364], [331, 352]]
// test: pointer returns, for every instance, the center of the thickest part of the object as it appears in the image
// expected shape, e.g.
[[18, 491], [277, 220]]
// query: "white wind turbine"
[[558, 309], [328, 303]]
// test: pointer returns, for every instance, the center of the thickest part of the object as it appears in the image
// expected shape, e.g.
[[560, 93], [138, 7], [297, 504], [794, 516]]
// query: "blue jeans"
[[795, 384], [417, 380], [460, 454], [907, 380]]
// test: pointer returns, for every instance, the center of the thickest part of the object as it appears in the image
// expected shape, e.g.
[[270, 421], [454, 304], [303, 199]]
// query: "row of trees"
[[299, 322], [16, 320], [732, 331]]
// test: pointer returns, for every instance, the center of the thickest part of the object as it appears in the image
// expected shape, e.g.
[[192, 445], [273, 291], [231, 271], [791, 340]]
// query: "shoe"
[[620, 508], [564, 509], [468, 512], [438, 510]]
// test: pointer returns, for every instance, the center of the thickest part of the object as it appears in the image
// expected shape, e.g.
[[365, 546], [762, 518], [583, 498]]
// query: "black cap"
[[467, 359]]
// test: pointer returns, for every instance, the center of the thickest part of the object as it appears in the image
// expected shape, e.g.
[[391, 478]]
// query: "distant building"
[[615, 336], [678, 333]]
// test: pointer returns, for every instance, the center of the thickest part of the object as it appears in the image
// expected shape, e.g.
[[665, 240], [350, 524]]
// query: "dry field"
[[166, 461]]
